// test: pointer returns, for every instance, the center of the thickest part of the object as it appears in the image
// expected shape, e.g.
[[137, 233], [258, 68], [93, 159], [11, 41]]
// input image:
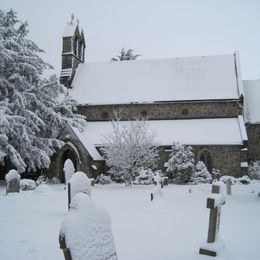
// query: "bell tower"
[[73, 51]]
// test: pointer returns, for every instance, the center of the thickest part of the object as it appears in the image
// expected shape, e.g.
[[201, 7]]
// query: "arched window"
[[206, 157]]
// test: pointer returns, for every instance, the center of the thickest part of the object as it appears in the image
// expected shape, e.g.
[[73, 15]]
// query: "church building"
[[198, 101]]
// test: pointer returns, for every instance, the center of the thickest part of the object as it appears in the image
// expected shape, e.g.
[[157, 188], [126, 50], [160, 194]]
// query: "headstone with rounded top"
[[79, 182], [12, 179], [86, 231]]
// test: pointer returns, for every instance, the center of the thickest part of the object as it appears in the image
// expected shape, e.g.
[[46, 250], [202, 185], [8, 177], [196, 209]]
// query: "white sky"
[[153, 28]]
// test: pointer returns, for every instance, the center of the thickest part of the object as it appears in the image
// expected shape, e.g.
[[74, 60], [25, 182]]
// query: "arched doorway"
[[68, 151], [206, 157]]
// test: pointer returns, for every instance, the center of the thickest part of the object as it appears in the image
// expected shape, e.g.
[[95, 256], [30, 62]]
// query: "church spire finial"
[[72, 19]]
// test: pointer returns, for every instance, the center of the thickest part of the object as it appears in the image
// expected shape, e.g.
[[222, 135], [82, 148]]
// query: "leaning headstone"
[[228, 186], [79, 182], [214, 202], [86, 231], [12, 179]]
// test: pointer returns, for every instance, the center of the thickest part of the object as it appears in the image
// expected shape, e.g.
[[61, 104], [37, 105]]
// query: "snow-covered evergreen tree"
[[32, 109], [126, 55], [181, 163], [201, 174], [129, 147]]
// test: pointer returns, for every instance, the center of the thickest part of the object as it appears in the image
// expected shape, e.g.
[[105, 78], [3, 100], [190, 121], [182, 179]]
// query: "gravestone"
[[12, 179], [86, 231], [214, 203], [79, 182], [63, 246], [68, 169], [157, 192], [228, 186]]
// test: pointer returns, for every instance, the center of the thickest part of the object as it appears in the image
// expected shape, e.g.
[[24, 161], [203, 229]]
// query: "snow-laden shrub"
[[226, 177], [44, 179], [41, 179], [43, 188], [244, 180], [144, 177], [27, 184], [103, 179], [116, 175], [201, 174], [216, 174], [53, 180], [79, 182], [129, 147], [241, 180], [181, 163], [254, 170], [87, 230]]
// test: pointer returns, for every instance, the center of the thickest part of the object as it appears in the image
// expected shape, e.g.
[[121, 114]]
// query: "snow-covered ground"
[[166, 229]]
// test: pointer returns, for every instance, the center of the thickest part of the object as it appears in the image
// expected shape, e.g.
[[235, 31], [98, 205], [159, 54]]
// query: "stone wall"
[[168, 110], [226, 158], [253, 132]]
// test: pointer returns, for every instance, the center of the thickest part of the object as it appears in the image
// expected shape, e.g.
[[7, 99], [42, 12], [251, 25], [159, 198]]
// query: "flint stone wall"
[[165, 110], [226, 158], [253, 132]]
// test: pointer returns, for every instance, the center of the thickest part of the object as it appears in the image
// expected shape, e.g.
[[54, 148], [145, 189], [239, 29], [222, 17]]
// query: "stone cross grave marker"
[[228, 186], [63, 246], [214, 203]]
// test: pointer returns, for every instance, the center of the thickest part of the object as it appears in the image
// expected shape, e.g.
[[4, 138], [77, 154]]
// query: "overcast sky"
[[153, 28]]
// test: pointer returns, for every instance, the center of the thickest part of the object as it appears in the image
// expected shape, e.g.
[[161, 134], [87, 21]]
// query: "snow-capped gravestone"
[[86, 231], [228, 186], [68, 169], [157, 192], [79, 182], [214, 202], [12, 179]]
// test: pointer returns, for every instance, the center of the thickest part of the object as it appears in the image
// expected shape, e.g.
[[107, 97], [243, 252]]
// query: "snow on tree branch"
[[33, 110], [130, 147]]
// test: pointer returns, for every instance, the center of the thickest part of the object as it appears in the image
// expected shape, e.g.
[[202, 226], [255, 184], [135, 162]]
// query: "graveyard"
[[171, 227]]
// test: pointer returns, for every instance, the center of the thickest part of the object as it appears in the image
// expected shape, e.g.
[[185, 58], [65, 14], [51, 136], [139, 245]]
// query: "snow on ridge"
[[175, 79], [252, 98], [87, 143]]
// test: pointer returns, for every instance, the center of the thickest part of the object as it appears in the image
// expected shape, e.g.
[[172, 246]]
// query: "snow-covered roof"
[[176, 79], [70, 28], [252, 100], [220, 131], [87, 143]]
